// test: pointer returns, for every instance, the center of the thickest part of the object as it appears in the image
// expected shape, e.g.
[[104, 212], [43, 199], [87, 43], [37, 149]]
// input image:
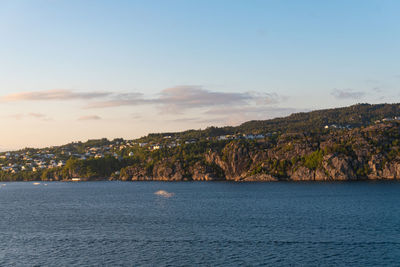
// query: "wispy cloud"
[[33, 115], [180, 98], [268, 98], [37, 115], [118, 100], [136, 116], [347, 94], [186, 120], [174, 100], [18, 116], [237, 115], [89, 118], [177, 99], [56, 94], [377, 89]]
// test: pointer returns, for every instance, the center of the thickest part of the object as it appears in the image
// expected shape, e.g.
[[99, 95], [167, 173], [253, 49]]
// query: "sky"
[[75, 70]]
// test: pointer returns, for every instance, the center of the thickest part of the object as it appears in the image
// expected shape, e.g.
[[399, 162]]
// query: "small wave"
[[164, 193]]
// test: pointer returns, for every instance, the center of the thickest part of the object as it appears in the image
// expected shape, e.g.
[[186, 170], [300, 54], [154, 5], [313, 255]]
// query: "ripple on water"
[[112, 223]]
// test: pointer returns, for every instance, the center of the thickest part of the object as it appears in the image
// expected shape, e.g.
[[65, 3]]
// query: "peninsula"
[[359, 142]]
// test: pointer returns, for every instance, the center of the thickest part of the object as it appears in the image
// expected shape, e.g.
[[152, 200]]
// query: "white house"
[[156, 147], [249, 136]]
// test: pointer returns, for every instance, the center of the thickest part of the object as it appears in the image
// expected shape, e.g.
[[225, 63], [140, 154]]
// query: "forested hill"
[[356, 142], [314, 121], [353, 116]]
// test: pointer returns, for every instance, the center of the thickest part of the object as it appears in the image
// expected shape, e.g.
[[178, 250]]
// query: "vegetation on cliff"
[[364, 144]]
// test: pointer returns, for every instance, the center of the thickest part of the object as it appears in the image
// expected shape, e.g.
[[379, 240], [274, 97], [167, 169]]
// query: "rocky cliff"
[[359, 154]]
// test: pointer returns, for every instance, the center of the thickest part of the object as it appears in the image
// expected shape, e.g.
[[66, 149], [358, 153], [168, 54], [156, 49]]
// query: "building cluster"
[[396, 118], [27, 161], [53, 157], [349, 127], [39, 159], [336, 126], [244, 136], [170, 142]]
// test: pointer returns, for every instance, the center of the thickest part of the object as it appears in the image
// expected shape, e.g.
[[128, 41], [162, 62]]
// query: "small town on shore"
[[30, 159], [33, 160]]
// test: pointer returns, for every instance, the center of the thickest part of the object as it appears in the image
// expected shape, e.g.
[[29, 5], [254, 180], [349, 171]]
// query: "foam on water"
[[164, 193], [203, 224]]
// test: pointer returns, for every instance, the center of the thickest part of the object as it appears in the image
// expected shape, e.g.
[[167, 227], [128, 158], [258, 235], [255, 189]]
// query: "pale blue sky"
[[154, 60]]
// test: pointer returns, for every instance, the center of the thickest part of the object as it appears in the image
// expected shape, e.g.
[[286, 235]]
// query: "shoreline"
[[382, 180]]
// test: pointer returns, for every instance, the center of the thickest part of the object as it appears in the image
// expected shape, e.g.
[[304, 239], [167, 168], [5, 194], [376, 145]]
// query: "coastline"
[[205, 181]]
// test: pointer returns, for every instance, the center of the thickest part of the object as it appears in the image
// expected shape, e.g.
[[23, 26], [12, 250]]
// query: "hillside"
[[314, 121], [352, 143], [353, 116]]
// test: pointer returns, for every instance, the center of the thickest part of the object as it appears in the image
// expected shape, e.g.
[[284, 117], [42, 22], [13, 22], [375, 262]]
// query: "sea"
[[115, 223]]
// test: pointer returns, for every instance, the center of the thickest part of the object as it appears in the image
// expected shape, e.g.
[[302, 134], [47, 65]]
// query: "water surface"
[[200, 223]]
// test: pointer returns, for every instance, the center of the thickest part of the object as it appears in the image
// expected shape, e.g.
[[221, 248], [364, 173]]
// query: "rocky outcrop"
[[235, 159], [391, 170], [338, 168], [203, 172], [167, 171], [368, 153], [258, 178]]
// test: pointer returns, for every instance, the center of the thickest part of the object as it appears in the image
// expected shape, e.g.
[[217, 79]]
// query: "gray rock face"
[[359, 154]]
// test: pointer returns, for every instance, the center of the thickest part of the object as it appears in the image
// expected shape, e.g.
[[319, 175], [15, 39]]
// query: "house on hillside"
[[249, 136], [171, 145], [142, 144], [155, 147], [227, 137], [61, 163]]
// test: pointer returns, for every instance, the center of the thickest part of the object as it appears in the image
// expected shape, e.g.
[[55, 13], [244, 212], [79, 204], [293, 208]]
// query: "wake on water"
[[164, 193]]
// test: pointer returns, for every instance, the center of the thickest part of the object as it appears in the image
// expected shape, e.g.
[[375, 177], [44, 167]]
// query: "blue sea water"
[[208, 224]]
